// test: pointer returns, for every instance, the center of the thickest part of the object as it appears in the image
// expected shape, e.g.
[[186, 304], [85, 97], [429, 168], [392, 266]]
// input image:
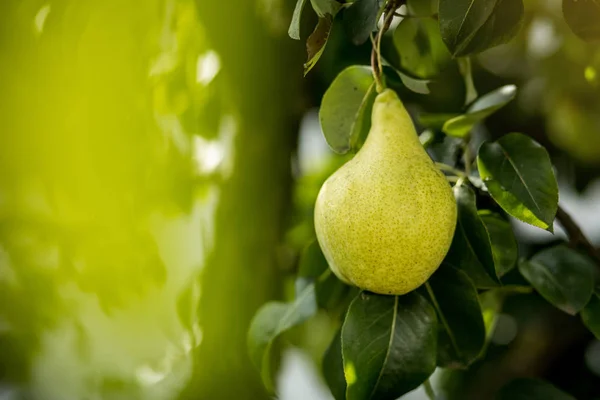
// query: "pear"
[[385, 219]]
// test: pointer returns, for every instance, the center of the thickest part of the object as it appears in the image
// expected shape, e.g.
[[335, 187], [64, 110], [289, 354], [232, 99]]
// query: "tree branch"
[[576, 236]]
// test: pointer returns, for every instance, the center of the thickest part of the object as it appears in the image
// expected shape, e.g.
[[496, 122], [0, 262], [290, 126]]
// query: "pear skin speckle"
[[385, 220]]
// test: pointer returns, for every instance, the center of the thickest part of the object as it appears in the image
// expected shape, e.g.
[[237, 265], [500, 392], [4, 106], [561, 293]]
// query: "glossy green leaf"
[[345, 112], [422, 8], [420, 86], [316, 42], [472, 26], [333, 368], [312, 265], [389, 345], [471, 250], [272, 320], [360, 19], [504, 244], [531, 389], [590, 315], [562, 276], [294, 29], [434, 121], [486, 105], [420, 48], [325, 8], [461, 327], [583, 18], [519, 176]]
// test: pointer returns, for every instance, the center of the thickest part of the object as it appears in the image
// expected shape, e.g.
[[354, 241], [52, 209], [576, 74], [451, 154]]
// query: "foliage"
[[387, 346]]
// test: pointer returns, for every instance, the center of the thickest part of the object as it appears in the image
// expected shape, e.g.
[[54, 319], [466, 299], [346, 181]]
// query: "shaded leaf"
[[316, 42], [486, 105], [461, 331], [518, 175], [270, 321], [590, 315], [421, 51], [420, 86], [345, 113], [333, 368], [360, 19], [388, 345], [294, 29], [312, 264], [562, 276], [583, 18], [471, 250], [504, 244], [531, 389], [472, 26]]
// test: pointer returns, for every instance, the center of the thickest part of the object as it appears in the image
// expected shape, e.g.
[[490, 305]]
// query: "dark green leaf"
[[360, 19], [272, 320], [420, 86], [472, 26], [294, 29], [486, 105], [420, 48], [531, 389], [316, 42], [345, 110], [590, 315], [583, 18], [504, 244], [332, 294], [333, 368], [471, 250], [562, 276], [325, 8], [518, 174], [312, 265], [461, 329], [388, 345]]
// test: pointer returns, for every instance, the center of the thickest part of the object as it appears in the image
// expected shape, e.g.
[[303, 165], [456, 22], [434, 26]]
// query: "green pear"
[[385, 219]]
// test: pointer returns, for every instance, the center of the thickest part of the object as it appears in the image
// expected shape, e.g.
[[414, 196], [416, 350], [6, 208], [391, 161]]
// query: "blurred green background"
[[159, 160]]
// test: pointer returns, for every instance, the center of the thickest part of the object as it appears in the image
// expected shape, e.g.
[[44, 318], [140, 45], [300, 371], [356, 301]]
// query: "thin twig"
[[388, 13], [576, 236]]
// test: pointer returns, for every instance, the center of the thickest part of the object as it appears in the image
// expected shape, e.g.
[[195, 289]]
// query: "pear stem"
[[388, 13]]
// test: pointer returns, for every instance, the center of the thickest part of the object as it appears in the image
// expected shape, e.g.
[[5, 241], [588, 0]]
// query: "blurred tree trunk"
[[263, 75]]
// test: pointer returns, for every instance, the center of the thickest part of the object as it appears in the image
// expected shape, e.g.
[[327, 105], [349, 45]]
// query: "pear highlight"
[[385, 219]]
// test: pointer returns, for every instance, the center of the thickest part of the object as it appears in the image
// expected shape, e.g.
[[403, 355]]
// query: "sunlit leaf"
[[519, 176], [421, 51], [483, 107], [294, 29], [562, 276]]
